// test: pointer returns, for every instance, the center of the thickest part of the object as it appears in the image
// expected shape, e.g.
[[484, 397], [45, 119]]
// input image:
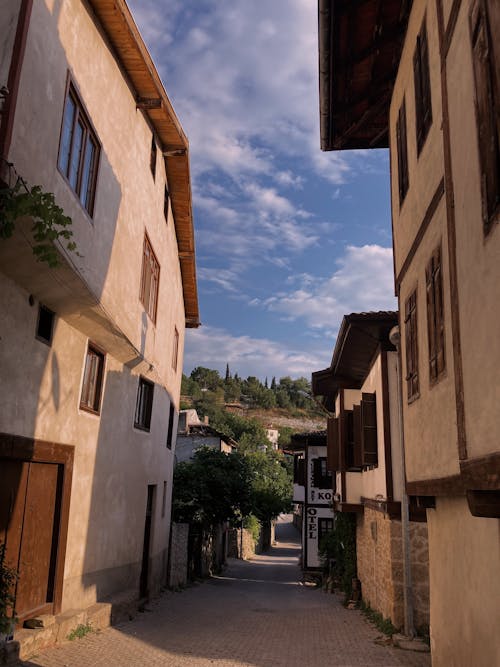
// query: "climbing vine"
[[8, 578], [50, 223]]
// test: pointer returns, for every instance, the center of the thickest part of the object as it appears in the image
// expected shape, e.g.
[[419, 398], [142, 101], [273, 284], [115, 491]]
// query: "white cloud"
[[362, 282], [214, 347]]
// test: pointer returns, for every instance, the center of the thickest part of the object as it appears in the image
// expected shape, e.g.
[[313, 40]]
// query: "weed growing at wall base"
[[80, 631]]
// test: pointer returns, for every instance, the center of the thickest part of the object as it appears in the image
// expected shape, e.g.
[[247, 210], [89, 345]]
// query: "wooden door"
[[30, 526]]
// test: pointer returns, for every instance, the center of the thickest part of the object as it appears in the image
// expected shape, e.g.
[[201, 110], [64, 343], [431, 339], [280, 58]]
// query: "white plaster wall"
[[188, 444], [314, 494], [312, 514]]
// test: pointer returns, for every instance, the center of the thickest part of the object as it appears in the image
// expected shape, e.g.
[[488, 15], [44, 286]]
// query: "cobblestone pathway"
[[257, 614]]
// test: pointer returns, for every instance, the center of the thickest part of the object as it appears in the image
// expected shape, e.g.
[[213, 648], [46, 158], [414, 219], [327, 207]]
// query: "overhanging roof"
[[357, 343], [360, 44], [130, 50], [299, 441]]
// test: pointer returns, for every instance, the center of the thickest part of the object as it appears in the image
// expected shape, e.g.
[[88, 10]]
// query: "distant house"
[[91, 350], [272, 434], [423, 78], [193, 434], [364, 453], [313, 491]]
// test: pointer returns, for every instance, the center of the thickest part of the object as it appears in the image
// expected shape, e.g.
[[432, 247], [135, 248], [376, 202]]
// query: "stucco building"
[[91, 350], [423, 77], [313, 491], [192, 433], [360, 388]]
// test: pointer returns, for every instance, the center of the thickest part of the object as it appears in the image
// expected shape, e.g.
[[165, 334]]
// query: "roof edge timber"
[[120, 28]]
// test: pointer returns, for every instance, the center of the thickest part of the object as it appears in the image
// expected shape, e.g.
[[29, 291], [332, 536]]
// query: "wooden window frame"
[[411, 345], [325, 521], [150, 279], [92, 385], [38, 336], [402, 152], [164, 500], [81, 119], [144, 405], [322, 477], [422, 83], [435, 316], [153, 158], [166, 203], [175, 350], [170, 431], [333, 444], [299, 470], [484, 23]]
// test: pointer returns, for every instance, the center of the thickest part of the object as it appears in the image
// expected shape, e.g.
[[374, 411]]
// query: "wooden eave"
[[360, 337], [360, 44], [116, 20]]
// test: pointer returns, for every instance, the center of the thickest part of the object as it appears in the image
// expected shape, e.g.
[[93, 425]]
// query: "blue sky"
[[288, 238]]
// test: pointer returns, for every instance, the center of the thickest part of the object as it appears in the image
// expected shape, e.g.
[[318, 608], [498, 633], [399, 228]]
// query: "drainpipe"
[[409, 630]]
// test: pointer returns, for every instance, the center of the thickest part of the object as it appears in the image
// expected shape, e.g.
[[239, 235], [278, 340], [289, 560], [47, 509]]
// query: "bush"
[[337, 550], [252, 524], [8, 578]]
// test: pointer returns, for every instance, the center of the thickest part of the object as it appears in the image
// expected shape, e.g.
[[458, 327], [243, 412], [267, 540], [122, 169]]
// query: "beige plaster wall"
[[478, 257], [430, 420], [9, 12], [426, 169], [63, 37], [465, 586]]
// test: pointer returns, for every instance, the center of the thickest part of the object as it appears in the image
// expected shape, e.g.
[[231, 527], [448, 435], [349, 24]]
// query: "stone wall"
[[241, 544], [178, 564], [380, 566]]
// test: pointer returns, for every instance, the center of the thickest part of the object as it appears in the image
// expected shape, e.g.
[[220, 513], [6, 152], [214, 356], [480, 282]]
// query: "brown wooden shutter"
[[438, 301], [343, 440], [422, 83], [357, 450], [426, 81], [411, 343], [332, 440], [369, 429], [486, 63], [431, 324], [402, 147]]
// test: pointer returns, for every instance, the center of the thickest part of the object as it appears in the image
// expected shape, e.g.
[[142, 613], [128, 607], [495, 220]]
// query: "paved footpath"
[[257, 614]]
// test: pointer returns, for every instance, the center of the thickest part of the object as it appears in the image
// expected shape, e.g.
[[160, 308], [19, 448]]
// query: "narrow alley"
[[257, 613]]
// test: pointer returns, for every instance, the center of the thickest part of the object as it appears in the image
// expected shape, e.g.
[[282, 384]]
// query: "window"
[[435, 315], [152, 157], [144, 405], [150, 279], [166, 203], [170, 432], [411, 342], [354, 458], [175, 352], [423, 103], [324, 526], [402, 147], [299, 470], [322, 477], [485, 28], [164, 500], [78, 151], [45, 325], [92, 379]]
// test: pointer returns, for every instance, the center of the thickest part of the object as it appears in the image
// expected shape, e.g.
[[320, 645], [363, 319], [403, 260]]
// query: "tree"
[[228, 374], [206, 378], [271, 485], [211, 488]]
